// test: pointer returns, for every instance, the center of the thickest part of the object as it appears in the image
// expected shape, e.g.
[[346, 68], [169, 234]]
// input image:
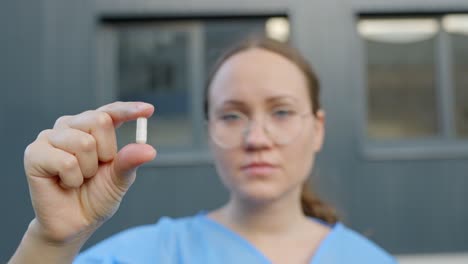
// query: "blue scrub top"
[[198, 239]]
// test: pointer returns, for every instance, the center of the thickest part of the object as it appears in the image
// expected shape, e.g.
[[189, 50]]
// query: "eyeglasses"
[[230, 129]]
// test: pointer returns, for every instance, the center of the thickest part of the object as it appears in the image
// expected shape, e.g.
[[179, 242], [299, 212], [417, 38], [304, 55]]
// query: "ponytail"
[[314, 207]]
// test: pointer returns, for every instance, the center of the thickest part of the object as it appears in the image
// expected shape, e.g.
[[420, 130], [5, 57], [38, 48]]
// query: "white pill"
[[141, 130]]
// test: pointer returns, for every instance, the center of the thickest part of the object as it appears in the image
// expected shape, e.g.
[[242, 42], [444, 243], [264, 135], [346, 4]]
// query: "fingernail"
[[143, 106]]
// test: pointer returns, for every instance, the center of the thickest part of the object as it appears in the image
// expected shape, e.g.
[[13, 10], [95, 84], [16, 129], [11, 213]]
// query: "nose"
[[256, 136]]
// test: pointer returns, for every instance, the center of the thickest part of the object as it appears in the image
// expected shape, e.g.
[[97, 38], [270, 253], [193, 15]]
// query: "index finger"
[[121, 112]]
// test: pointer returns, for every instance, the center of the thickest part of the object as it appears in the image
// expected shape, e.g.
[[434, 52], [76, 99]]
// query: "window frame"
[[445, 145], [106, 83]]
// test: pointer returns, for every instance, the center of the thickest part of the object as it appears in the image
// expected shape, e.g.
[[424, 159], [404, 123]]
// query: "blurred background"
[[394, 78]]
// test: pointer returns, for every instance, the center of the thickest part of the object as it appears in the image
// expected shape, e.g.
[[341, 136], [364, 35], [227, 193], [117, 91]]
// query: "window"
[[417, 77], [165, 62], [154, 65]]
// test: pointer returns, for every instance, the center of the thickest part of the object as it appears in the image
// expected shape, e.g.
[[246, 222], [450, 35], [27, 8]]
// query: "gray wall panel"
[[19, 80], [414, 206]]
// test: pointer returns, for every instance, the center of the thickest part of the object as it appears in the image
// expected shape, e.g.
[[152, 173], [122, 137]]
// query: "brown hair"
[[311, 204]]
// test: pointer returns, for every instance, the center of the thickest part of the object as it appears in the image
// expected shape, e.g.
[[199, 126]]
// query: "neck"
[[268, 218]]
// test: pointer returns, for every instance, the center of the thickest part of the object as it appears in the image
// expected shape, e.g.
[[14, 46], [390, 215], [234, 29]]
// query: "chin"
[[260, 192]]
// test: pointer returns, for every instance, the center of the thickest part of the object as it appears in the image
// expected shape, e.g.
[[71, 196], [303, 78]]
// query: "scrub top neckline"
[[249, 246]]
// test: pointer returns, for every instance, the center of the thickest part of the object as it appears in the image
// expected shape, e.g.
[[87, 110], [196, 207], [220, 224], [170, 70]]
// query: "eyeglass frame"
[[248, 129]]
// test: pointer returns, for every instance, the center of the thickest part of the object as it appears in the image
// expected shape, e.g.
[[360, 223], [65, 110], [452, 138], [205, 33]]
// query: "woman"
[[265, 126]]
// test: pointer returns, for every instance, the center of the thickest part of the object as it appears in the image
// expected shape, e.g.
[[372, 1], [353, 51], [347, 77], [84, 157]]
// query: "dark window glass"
[[163, 62], [401, 82], [460, 68]]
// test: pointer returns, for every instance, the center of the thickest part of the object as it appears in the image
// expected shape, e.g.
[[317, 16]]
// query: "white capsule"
[[141, 130]]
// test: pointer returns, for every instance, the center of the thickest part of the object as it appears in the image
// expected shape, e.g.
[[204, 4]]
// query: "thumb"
[[127, 161]]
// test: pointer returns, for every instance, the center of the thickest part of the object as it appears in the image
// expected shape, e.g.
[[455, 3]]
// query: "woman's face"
[[262, 85]]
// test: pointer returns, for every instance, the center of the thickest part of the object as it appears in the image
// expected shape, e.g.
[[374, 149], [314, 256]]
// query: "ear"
[[319, 130]]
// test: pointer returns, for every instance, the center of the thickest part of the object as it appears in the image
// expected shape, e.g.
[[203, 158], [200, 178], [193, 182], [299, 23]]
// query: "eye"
[[283, 113], [230, 117]]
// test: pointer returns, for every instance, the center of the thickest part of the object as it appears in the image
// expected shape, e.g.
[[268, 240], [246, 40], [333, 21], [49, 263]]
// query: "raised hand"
[[76, 177]]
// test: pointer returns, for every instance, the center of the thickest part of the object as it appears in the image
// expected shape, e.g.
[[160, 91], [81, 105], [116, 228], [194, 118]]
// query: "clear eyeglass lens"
[[230, 133]]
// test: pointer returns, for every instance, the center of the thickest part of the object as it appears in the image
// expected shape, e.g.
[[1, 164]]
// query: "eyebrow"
[[272, 99], [282, 98]]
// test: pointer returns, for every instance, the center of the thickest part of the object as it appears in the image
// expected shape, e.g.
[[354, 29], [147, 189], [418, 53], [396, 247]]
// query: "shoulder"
[[145, 242], [344, 245]]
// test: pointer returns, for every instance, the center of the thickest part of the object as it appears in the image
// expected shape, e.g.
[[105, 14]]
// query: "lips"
[[259, 168]]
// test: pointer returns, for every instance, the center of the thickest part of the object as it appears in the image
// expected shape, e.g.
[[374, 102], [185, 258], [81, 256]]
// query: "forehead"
[[260, 74]]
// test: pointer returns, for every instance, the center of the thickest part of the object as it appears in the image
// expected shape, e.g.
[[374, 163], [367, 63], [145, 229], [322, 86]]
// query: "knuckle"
[[87, 143], [28, 152], [29, 158], [103, 119], [76, 182], [61, 120], [69, 164], [30, 149], [44, 133], [71, 182]]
